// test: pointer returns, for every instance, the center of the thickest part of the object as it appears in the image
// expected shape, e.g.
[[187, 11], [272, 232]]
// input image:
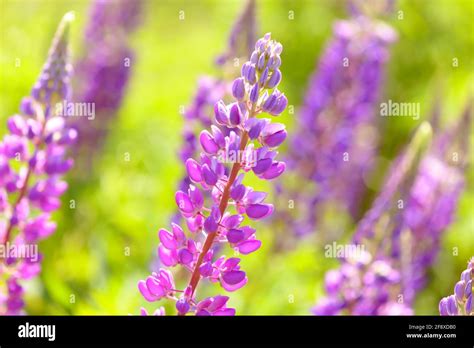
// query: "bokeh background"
[[108, 242]]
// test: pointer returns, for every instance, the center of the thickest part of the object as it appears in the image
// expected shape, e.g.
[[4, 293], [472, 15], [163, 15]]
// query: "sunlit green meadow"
[[108, 241]]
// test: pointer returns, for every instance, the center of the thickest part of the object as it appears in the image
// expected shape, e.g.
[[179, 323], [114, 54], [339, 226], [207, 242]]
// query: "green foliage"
[[108, 242]]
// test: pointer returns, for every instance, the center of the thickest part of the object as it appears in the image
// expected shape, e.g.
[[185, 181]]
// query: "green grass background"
[[121, 205]]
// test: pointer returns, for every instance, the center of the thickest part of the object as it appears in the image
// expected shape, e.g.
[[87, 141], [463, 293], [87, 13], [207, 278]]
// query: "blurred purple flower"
[[405, 224], [104, 72], [210, 90], [335, 141], [32, 161]]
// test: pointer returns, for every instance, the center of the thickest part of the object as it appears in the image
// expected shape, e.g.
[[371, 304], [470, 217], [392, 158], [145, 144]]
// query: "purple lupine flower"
[[405, 225], [216, 218], [335, 141], [214, 306], [104, 72], [460, 303], [432, 202], [362, 286], [32, 161], [427, 206], [210, 90], [366, 282], [399, 179]]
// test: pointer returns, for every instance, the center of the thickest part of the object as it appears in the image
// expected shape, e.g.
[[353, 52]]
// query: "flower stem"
[[222, 207]]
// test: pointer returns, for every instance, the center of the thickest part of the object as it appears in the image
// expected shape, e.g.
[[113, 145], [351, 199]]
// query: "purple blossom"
[[32, 161], [157, 286], [460, 303], [216, 202], [214, 306], [362, 286], [425, 206], [104, 72], [335, 141], [210, 90], [403, 228]]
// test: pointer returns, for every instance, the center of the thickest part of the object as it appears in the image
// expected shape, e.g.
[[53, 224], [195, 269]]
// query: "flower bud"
[[194, 170], [254, 93], [182, 306], [254, 58], [274, 62], [235, 115], [238, 88], [280, 105], [237, 192], [274, 134], [263, 77], [261, 62], [459, 290], [196, 197], [250, 74], [208, 175], [207, 142], [255, 127], [220, 111], [184, 202], [274, 79], [269, 102]]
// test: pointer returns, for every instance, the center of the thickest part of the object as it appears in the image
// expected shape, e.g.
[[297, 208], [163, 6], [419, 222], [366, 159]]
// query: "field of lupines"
[[236, 157]]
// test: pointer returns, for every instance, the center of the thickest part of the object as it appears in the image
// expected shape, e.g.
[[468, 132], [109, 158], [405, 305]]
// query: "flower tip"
[[422, 137], [425, 129], [69, 17], [63, 28], [471, 263]]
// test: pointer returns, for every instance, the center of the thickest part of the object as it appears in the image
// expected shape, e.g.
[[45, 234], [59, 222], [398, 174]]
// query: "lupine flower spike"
[[335, 140], [104, 72], [250, 146], [431, 204], [32, 161], [403, 230], [210, 90], [366, 283], [460, 303]]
